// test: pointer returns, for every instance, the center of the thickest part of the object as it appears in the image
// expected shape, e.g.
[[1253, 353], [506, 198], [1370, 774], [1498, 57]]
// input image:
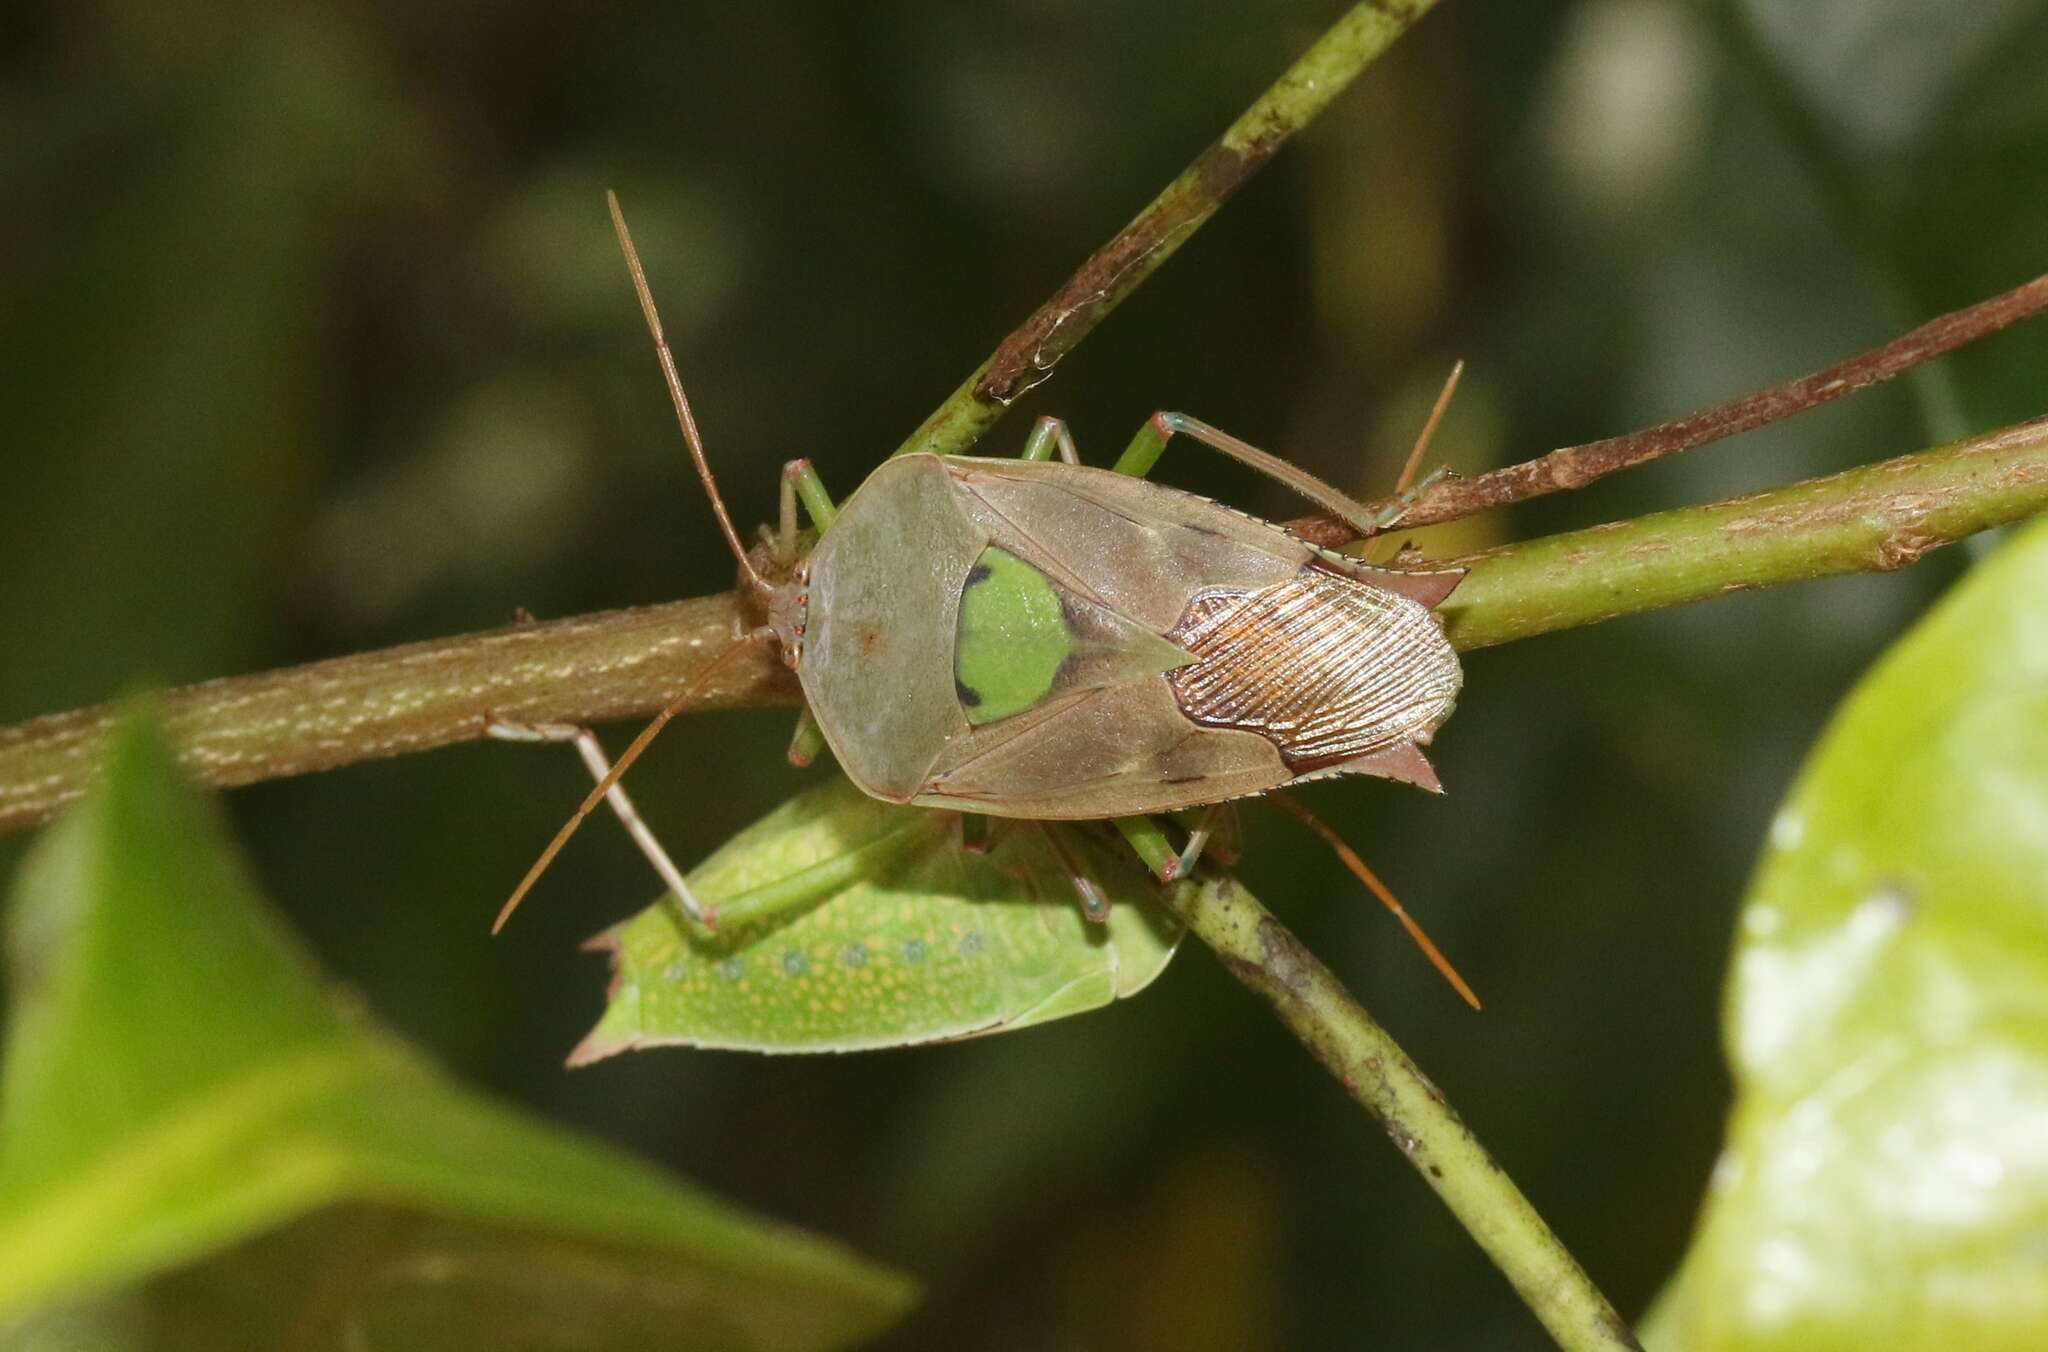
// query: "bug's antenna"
[[1379, 889], [688, 420], [604, 786], [1429, 425], [1436, 415]]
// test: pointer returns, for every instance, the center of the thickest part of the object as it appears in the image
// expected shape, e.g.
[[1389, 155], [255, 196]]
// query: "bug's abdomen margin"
[[1326, 667]]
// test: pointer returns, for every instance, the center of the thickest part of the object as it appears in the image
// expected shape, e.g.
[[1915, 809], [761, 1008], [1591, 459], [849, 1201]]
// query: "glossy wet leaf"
[[902, 937], [1885, 1182], [202, 1146]]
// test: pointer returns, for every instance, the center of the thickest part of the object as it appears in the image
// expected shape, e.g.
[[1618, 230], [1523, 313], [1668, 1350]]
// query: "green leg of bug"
[[801, 478], [1148, 838], [806, 742], [1049, 435], [586, 744]]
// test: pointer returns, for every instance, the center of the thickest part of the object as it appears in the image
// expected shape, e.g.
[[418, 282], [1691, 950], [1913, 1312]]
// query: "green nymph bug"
[[1036, 638]]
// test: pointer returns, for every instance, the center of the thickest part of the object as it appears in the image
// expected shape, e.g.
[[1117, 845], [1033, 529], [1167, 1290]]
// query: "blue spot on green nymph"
[[794, 963], [913, 950], [1012, 640]]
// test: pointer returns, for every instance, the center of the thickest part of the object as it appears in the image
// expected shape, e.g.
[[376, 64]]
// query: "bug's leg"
[[1148, 840], [807, 741], [784, 546], [586, 744], [802, 476], [1143, 452], [974, 833], [1094, 906], [1198, 838], [1048, 435], [1039, 445]]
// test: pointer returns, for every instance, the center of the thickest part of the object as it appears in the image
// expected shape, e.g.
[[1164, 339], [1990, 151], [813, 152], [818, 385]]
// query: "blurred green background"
[[314, 339]]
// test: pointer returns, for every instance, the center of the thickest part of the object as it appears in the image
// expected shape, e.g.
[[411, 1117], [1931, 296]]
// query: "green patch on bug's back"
[[1023, 640], [909, 938], [1013, 639]]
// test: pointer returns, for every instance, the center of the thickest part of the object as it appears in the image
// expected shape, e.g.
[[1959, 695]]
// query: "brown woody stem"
[[1576, 466], [1026, 358]]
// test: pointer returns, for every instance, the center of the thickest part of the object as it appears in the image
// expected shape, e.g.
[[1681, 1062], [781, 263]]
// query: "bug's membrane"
[[847, 923]]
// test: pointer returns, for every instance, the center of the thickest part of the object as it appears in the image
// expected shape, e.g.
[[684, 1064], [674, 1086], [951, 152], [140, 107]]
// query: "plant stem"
[[367, 706], [622, 663], [1874, 518], [1577, 466], [1026, 358], [1265, 955]]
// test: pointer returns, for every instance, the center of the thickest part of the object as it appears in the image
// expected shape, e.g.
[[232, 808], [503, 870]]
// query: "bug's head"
[[785, 601]]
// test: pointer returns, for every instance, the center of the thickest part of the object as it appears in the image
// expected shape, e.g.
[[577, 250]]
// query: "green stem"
[[1264, 955], [1874, 518], [1026, 358]]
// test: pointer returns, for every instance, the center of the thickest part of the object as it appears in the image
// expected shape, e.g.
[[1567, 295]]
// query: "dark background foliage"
[[313, 339]]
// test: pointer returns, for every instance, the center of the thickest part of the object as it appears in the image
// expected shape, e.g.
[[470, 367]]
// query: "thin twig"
[[1577, 466], [1264, 955], [1026, 358], [623, 663], [1874, 518]]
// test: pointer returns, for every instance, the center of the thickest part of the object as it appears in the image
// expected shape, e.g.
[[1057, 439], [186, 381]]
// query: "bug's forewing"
[[1145, 553], [1142, 550]]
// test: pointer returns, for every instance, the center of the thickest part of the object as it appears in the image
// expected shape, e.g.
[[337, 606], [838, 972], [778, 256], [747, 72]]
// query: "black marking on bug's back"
[[978, 574], [1070, 620]]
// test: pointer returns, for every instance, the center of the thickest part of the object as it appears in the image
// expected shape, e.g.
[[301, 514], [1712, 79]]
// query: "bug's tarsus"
[[607, 782], [1379, 889], [684, 417], [1094, 906], [1198, 842]]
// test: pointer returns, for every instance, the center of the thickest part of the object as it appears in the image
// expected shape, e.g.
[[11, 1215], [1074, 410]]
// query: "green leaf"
[[877, 929], [186, 1108], [1885, 1182]]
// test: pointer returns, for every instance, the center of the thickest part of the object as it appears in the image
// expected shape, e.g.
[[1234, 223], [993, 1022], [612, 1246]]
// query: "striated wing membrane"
[[1327, 667]]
